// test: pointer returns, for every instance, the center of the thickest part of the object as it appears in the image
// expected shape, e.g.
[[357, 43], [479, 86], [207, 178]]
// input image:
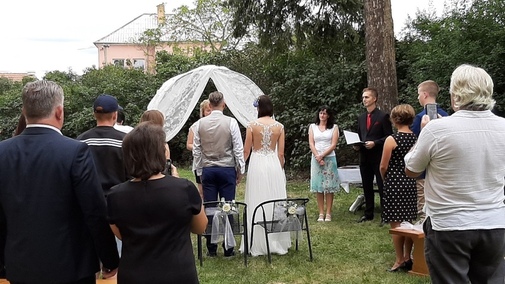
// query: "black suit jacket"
[[52, 209], [380, 129]]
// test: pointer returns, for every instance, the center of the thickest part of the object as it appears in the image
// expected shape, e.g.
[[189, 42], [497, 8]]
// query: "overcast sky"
[[47, 35]]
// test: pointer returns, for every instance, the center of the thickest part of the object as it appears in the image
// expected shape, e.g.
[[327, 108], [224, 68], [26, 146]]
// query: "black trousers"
[[87, 280], [465, 256], [370, 169]]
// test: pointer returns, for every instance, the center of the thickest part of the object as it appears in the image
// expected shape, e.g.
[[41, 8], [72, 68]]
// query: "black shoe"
[[399, 268], [229, 254], [364, 219], [211, 254], [407, 265]]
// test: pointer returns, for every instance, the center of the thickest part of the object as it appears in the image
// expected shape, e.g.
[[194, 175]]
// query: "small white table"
[[348, 175]]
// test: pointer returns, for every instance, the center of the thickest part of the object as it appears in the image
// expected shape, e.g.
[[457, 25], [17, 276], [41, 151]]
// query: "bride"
[[265, 175]]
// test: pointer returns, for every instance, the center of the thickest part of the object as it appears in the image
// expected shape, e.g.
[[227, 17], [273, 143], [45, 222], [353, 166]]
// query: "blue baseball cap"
[[105, 104]]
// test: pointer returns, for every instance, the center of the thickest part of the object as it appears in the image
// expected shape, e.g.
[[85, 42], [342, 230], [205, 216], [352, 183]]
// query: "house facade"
[[127, 46], [16, 77]]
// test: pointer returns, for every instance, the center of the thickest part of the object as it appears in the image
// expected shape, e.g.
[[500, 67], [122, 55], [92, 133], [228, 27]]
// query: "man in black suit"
[[374, 127], [52, 207]]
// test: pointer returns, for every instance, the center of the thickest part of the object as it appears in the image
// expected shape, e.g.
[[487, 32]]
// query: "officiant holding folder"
[[374, 127]]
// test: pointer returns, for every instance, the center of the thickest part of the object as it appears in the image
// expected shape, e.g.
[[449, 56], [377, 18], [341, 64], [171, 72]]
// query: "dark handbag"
[[168, 168]]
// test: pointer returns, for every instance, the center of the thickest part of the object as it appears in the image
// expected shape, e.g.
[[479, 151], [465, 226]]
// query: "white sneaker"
[[321, 218]]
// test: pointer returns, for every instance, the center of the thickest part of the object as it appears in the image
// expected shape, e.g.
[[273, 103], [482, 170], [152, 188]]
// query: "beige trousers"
[[420, 199]]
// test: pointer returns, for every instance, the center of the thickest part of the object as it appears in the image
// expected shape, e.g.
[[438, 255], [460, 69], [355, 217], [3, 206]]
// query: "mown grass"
[[344, 251]]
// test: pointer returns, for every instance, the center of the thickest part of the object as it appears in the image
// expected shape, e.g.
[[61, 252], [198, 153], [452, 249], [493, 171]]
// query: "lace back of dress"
[[266, 138]]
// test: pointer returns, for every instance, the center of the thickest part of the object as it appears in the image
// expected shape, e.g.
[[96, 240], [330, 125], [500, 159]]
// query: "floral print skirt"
[[324, 179]]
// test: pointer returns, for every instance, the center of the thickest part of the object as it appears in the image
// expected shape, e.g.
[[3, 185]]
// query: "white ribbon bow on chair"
[[221, 229], [289, 220]]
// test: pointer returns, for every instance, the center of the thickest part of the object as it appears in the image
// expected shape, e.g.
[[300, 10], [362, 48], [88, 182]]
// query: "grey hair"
[[216, 98], [40, 98], [471, 88]]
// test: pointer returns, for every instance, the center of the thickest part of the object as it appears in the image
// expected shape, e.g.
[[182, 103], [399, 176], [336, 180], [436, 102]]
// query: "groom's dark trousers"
[[218, 182]]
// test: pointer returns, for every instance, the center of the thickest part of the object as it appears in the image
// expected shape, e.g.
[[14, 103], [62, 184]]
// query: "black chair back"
[[282, 215]]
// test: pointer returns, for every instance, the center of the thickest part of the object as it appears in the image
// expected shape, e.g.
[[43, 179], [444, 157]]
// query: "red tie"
[[368, 121]]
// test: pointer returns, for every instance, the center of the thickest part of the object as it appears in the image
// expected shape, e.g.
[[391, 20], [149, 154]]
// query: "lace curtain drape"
[[178, 96]]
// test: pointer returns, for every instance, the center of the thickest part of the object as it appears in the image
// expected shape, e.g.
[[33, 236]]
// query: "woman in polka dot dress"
[[400, 193]]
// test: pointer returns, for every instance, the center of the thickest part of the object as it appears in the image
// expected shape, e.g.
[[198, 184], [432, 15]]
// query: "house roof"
[[132, 31], [16, 76]]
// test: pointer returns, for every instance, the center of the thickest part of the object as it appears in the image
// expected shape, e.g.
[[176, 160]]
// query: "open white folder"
[[352, 138]]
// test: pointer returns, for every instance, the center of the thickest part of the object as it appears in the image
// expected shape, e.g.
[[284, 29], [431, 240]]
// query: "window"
[[139, 63], [118, 62]]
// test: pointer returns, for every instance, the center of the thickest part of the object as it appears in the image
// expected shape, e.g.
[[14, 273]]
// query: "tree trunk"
[[380, 52], [151, 59]]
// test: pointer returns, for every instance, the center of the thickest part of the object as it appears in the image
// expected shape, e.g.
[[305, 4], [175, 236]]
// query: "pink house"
[[17, 77], [125, 47]]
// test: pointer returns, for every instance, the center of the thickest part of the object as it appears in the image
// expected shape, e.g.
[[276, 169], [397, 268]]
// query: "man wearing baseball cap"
[[105, 143]]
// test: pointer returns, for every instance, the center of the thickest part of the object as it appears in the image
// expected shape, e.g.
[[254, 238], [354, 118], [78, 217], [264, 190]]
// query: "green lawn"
[[344, 251]]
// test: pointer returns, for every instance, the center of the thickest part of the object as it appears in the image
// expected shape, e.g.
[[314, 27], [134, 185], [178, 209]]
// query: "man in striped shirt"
[[105, 143]]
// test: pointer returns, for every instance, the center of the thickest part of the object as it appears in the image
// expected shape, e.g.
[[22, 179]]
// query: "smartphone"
[[431, 111]]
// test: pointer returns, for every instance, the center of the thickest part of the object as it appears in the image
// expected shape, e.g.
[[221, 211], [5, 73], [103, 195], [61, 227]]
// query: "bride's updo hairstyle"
[[265, 106]]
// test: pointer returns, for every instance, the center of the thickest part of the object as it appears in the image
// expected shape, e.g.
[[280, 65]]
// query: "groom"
[[219, 155]]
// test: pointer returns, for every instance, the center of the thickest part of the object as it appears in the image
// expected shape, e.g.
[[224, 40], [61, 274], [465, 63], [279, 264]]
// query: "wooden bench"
[[419, 267], [99, 281]]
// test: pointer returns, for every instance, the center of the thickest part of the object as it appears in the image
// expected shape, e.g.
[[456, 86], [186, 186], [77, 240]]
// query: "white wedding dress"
[[265, 181]]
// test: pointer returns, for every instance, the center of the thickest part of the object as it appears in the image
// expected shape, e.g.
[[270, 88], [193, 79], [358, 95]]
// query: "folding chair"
[[282, 215], [237, 219]]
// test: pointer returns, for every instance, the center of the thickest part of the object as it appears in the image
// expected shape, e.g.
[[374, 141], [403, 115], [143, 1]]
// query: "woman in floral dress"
[[324, 181]]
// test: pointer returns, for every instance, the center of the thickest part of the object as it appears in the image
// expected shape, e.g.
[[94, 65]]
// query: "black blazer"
[[380, 129], [52, 209]]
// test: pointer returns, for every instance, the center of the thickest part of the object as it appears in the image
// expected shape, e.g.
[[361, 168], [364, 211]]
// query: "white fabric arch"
[[178, 96]]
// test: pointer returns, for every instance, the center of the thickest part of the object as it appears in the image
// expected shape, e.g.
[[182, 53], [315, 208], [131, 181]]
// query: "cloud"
[[55, 40]]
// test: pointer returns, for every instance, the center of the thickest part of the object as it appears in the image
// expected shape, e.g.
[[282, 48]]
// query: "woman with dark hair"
[[400, 191], [157, 117], [154, 214], [324, 181], [265, 175]]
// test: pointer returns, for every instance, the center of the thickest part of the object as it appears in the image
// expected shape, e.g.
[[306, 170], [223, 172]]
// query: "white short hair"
[[471, 88]]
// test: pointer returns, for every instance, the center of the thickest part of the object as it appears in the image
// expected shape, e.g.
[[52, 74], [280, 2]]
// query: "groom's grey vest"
[[216, 141]]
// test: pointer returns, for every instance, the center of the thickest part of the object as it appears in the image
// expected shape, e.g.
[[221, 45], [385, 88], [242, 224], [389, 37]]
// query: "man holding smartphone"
[[464, 156], [427, 93]]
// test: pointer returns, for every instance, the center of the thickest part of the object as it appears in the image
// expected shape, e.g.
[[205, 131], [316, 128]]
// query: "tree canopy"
[[322, 25], [209, 22]]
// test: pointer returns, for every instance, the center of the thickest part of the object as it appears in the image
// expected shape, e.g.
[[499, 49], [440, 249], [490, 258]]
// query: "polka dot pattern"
[[400, 193]]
